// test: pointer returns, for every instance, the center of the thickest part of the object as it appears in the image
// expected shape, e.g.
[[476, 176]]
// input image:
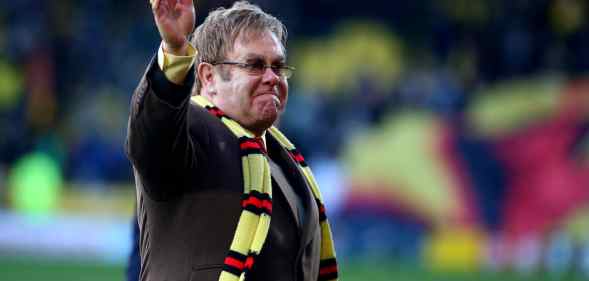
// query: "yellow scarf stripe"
[[226, 276], [246, 175], [281, 138], [311, 180], [254, 222], [247, 226], [264, 225], [306, 170], [328, 265], [256, 163], [252, 228], [236, 128]]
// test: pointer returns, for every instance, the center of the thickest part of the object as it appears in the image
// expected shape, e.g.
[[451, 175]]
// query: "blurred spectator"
[[419, 115]]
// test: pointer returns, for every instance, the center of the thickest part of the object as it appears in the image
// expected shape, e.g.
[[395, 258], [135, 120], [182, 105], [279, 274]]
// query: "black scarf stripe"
[[321, 208], [231, 269], [326, 277], [263, 199], [327, 262], [257, 149], [245, 152], [257, 202], [257, 194], [327, 269], [236, 263], [258, 211], [250, 146], [298, 157], [236, 258], [216, 111], [237, 255]]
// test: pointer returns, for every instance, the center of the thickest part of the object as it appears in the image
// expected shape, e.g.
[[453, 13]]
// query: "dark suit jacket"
[[189, 183]]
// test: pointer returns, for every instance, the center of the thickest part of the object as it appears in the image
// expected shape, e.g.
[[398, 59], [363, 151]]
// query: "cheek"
[[249, 88], [245, 92], [283, 90]]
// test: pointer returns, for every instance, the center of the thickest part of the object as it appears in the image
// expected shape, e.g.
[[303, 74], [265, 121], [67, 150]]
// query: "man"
[[221, 194]]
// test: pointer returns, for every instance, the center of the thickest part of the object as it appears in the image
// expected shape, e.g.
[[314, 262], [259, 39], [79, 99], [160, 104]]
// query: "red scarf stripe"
[[257, 206], [236, 263], [233, 262], [216, 111], [249, 262], [328, 269], [257, 194], [250, 144], [256, 202], [247, 152], [328, 276], [327, 262], [321, 208], [298, 157]]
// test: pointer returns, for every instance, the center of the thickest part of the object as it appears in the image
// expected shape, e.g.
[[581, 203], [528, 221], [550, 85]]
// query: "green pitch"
[[34, 269]]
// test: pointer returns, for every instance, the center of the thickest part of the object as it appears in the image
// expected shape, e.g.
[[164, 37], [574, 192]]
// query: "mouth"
[[274, 97]]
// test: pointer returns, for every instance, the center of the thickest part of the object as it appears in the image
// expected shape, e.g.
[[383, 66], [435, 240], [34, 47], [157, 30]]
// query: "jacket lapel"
[[289, 194], [297, 181]]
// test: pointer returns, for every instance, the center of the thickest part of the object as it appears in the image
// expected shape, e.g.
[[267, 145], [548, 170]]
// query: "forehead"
[[264, 44]]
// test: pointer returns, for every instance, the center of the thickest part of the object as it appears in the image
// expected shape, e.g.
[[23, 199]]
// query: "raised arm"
[[158, 144], [175, 21]]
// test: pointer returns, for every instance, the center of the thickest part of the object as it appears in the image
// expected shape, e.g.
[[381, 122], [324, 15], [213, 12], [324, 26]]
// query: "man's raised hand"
[[175, 21]]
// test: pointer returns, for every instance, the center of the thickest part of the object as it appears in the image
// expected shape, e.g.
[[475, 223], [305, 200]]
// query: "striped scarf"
[[254, 221]]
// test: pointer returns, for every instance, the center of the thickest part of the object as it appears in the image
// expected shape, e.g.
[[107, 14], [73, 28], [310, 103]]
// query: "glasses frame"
[[284, 71]]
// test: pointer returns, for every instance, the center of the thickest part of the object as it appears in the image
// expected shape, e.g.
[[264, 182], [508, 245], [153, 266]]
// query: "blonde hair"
[[216, 36]]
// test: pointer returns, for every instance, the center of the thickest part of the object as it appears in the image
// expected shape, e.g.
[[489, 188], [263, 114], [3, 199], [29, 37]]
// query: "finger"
[[161, 7], [167, 6], [154, 4], [186, 2]]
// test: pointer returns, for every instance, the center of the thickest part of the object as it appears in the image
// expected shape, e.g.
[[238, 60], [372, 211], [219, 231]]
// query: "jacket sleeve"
[[158, 142]]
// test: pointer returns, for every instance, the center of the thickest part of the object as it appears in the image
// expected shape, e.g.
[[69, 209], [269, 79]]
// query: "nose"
[[270, 77]]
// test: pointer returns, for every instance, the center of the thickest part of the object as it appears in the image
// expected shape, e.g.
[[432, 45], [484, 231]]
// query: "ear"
[[206, 78]]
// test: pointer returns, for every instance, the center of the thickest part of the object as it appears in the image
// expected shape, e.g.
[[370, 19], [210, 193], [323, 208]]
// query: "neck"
[[255, 131]]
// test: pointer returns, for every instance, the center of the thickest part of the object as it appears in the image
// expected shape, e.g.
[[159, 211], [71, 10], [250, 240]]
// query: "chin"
[[266, 121], [266, 116]]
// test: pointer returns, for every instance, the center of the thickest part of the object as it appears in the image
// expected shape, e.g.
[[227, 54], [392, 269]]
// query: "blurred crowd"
[[435, 127]]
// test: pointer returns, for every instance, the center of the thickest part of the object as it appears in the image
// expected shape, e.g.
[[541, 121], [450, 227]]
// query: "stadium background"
[[450, 137]]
